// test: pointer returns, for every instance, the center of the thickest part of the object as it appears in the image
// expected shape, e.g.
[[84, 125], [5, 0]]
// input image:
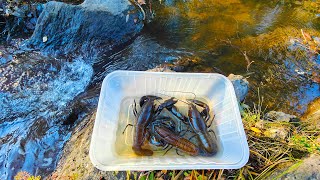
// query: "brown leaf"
[[309, 38], [306, 36]]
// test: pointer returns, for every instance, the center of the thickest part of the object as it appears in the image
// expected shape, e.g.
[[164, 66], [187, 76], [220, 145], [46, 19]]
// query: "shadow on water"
[[41, 98]]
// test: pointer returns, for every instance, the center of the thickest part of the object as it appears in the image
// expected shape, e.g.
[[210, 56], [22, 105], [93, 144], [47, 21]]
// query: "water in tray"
[[124, 140]]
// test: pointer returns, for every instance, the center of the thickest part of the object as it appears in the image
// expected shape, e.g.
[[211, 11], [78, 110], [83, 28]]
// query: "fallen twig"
[[137, 4], [244, 53], [247, 59], [178, 175], [220, 174]]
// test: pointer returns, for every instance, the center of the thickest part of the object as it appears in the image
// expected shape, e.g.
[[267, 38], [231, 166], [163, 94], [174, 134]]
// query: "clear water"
[[222, 34]]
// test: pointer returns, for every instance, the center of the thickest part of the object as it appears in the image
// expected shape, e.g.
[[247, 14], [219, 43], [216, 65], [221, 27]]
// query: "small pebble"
[[44, 39]]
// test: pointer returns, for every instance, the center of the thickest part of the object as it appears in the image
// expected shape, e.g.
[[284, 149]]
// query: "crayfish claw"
[[144, 99]]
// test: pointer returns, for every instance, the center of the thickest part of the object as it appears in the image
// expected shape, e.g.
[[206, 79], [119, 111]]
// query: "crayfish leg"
[[213, 133], [192, 137], [135, 113], [174, 110], [210, 123], [168, 150], [177, 151], [206, 110]]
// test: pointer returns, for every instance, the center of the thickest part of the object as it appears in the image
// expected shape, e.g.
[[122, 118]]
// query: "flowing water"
[[41, 98], [228, 35]]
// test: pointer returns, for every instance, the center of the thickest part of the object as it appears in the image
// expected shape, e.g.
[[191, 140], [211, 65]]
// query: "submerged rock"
[[241, 86], [88, 29]]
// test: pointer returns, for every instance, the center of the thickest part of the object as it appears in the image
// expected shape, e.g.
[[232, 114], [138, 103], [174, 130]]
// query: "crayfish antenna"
[[126, 128]]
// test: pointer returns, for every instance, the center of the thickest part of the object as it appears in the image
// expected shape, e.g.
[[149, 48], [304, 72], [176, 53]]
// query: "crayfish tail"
[[142, 152], [208, 144]]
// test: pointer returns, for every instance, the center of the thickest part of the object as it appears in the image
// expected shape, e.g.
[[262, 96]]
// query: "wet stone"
[[241, 86], [88, 29]]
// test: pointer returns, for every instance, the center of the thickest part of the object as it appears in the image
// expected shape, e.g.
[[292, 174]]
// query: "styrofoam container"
[[110, 150]]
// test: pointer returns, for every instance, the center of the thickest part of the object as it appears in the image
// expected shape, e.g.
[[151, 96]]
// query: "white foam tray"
[[119, 86]]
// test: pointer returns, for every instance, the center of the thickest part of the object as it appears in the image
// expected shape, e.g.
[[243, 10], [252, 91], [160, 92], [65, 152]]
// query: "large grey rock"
[[241, 86], [309, 169], [93, 27]]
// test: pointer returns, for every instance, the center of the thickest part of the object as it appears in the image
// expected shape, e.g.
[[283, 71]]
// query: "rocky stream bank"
[[75, 160]]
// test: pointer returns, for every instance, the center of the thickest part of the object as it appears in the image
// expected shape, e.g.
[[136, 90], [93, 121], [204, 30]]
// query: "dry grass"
[[266, 154]]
